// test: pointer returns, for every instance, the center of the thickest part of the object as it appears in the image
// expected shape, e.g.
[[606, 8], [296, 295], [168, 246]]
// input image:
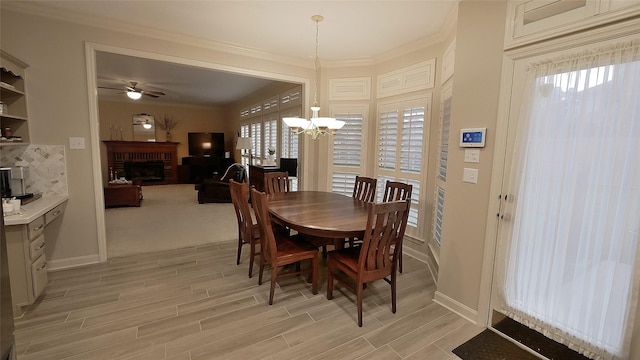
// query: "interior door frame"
[[94, 124]]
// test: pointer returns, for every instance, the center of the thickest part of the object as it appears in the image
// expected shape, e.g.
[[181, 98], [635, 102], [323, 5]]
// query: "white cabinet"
[[26, 258], [529, 21], [13, 112]]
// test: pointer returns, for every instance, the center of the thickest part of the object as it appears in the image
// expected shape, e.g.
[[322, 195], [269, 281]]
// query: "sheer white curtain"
[[569, 265]]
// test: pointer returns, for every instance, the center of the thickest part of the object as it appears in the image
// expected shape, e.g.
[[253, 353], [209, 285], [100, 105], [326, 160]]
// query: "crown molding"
[[155, 33]]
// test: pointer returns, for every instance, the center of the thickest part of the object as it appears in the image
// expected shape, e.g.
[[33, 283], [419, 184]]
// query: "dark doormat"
[[490, 346], [538, 342]]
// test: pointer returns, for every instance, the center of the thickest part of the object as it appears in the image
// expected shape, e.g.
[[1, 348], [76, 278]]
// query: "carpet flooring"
[[169, 217]]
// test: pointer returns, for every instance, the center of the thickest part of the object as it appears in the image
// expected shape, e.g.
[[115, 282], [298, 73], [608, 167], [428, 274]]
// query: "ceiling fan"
[[135, 93]]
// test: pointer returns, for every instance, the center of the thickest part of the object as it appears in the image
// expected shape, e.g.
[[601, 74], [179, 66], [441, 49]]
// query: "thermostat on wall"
[[472, 137]]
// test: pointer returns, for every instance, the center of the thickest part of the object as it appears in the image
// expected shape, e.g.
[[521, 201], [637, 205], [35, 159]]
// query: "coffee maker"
[[13, 182]]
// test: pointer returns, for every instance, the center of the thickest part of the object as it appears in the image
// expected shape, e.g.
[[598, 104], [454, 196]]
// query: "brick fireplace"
[[149, 163]]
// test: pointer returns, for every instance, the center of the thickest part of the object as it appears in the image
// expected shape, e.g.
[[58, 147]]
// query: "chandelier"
[[316, 126]]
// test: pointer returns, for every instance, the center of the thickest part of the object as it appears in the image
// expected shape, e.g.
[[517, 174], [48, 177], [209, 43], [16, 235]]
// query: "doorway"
[[91, 52]]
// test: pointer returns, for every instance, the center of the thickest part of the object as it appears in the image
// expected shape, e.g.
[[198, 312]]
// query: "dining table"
[[320, 215]]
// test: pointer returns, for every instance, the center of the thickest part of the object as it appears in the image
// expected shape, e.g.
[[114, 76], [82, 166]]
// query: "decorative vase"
[[168, 136], [271, 160]]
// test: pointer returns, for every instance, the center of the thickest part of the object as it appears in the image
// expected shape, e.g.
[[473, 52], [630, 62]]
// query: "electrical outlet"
[[76, 143]]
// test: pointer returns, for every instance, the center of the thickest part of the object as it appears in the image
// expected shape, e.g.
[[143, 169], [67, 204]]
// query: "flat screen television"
[[206, 144]]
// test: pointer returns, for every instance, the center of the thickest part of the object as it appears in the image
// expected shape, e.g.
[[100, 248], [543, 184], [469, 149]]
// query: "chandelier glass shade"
[[317, 125]]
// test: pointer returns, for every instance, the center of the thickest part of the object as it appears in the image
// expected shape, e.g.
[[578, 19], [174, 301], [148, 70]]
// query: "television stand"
[[197, 168]]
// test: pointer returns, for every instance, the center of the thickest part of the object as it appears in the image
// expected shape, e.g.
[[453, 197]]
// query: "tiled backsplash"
[[47, 167]]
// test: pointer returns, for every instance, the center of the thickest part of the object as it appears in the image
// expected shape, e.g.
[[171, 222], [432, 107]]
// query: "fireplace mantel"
[[119, 152]]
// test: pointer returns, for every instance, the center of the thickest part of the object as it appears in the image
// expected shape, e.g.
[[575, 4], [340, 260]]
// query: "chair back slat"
[[268, 240], [276, 182], [384, 222], [364, 189], [394, 190], [240, 200]]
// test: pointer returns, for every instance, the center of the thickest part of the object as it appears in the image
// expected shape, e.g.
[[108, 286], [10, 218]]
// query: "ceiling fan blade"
[[129, 88], [109, 88], [150, 95], [157, 93]]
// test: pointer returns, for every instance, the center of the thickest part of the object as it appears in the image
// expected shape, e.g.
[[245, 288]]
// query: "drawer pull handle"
[[38, 227], [42, 267], [40, 247], [55, 213]]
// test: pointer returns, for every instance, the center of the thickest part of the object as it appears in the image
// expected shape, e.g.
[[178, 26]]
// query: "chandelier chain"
[[316, 61]]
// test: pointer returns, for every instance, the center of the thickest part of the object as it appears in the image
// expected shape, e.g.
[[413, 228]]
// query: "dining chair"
[[279, 249], [364, 188], [394, 190], [374, 259], [276, 182], [248, 232]]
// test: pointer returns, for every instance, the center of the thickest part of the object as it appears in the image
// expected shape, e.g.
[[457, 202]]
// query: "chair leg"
[[274, 276], [239, 248], [400, 256], [261, 268], [251, 256], [330, 281], [359, 291], [314, 273], [393, 291]]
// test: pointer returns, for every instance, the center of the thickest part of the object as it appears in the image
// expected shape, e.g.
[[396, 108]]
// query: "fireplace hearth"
[[145, 172], [147, 162]]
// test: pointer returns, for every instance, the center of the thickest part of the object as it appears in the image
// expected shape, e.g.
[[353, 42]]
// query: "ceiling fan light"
[[134, 95], [147, 126]]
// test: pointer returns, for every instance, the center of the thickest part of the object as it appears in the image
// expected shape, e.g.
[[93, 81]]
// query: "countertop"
[[35, 209]]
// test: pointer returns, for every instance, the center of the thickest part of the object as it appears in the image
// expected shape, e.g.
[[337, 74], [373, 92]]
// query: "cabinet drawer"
[[54, 213], [36, 227], [36, 247], [39, 275]]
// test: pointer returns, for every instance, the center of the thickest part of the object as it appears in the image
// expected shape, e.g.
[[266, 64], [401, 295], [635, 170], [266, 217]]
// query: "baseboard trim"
[[458, 308], [72, 262], [422, 257]]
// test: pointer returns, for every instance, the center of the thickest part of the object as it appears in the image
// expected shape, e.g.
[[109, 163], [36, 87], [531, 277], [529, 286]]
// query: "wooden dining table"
[[319, 214]]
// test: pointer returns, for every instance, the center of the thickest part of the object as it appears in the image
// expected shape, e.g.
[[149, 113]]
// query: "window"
[[402, 152], [388, 139], [444, 138], [289, 143], [348, 147], [271, 133], [412, 135], [244, 154], [347, 142], [439, 213], [256, 138]]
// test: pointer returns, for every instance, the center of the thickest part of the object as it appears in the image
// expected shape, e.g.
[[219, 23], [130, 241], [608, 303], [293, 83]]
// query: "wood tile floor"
[[195, 303]]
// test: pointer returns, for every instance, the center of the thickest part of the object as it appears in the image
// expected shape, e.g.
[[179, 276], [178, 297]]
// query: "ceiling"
[[351, 30]]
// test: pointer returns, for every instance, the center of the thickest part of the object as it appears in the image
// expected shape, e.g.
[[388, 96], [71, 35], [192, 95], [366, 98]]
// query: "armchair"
[[216, 189]]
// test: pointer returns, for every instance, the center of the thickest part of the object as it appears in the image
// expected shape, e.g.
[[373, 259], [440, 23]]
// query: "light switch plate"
[[76, 143], [470, 176], [471, 155]]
